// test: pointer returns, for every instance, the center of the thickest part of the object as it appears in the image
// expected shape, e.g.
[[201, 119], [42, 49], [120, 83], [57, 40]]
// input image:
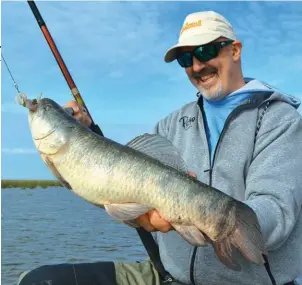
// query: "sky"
[[114, 52]]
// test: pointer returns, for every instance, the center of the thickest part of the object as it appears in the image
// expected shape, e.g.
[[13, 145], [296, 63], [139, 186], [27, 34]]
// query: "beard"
[[211, 91], [214, 93]]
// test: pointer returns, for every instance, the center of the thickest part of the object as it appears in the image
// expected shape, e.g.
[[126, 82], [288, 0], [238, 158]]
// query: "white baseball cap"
[[201, 28]]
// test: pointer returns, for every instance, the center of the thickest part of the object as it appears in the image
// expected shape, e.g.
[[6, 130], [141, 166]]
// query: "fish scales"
[[147, 173]]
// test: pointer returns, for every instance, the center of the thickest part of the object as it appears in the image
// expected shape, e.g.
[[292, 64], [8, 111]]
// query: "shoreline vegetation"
[[29, 184]]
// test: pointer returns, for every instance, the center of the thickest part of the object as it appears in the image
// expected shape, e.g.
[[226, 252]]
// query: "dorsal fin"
[[159, 148]]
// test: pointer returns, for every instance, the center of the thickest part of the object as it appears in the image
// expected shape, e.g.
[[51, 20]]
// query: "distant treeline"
[[29, 184]]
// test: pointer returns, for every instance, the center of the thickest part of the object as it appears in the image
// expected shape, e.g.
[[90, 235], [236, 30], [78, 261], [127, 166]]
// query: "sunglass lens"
[[185, 59], [206, 53]]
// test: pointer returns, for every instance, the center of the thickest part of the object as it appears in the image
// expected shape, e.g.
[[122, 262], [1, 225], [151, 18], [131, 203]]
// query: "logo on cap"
[[190, 25]]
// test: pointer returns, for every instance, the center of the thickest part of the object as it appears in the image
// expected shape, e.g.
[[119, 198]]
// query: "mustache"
[[203, 72]]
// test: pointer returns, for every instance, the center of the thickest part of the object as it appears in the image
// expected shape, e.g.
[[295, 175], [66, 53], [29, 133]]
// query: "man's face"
[[215, 78]]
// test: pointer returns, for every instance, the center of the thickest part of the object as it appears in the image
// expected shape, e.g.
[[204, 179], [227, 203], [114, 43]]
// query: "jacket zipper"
[[235, 112], [210, 183]]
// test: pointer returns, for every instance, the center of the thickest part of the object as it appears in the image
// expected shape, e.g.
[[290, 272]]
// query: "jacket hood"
[[257, 85]]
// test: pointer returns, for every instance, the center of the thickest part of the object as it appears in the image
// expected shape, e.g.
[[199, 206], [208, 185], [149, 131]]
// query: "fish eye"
[[47, 107]]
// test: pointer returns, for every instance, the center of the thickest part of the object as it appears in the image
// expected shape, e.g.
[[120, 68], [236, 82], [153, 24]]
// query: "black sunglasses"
[[202, 53]]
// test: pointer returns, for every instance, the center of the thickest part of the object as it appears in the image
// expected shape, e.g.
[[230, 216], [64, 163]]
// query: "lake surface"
[[53, 225]]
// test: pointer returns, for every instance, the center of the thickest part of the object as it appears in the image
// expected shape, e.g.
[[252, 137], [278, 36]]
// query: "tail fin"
[[247, 238]]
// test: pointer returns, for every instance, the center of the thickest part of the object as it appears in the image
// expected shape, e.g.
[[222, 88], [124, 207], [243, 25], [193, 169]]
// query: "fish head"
[[51, 126]]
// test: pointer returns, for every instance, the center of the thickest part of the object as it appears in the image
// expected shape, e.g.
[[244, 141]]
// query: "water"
[[53, 225]]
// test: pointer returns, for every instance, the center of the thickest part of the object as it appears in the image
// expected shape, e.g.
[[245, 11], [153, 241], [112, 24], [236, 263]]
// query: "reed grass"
[[29, 184]]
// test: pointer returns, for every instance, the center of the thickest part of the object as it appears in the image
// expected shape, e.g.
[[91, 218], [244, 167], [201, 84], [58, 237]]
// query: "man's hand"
[[79, 113], [152, 221]]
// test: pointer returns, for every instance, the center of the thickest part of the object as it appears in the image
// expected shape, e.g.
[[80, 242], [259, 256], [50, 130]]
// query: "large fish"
[[147, 173]]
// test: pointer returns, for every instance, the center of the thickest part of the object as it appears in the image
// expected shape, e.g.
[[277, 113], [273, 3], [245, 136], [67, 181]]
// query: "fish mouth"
[[45, 136]]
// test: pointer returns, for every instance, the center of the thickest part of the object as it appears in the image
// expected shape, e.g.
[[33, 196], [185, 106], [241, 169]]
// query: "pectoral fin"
[[126, 213], [55, 172], [191, 234]]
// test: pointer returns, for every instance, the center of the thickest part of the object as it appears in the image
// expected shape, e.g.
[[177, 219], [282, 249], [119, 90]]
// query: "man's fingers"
[[73, 105], [144, 222], [193, 174], [79, 113], [158, 222]]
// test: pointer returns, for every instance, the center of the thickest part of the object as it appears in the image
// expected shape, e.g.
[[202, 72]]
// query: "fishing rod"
[[146, 237], [74, 90]]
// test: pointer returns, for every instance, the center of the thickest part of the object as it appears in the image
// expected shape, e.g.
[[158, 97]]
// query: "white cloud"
[[272, 44], [127, 40], [94, 37], [19, 150], [266, 33]]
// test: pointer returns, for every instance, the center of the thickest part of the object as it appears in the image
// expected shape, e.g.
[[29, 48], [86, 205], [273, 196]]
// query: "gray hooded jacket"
[[258, 160]]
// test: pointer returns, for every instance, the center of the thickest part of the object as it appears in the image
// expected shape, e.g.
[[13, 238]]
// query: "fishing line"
[[15, 84]]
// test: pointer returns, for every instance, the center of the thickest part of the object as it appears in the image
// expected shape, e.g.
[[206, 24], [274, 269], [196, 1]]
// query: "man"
[[241, 137]]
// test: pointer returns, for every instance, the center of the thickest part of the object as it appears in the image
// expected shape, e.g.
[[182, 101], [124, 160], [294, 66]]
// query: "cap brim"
[[198, 40]]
